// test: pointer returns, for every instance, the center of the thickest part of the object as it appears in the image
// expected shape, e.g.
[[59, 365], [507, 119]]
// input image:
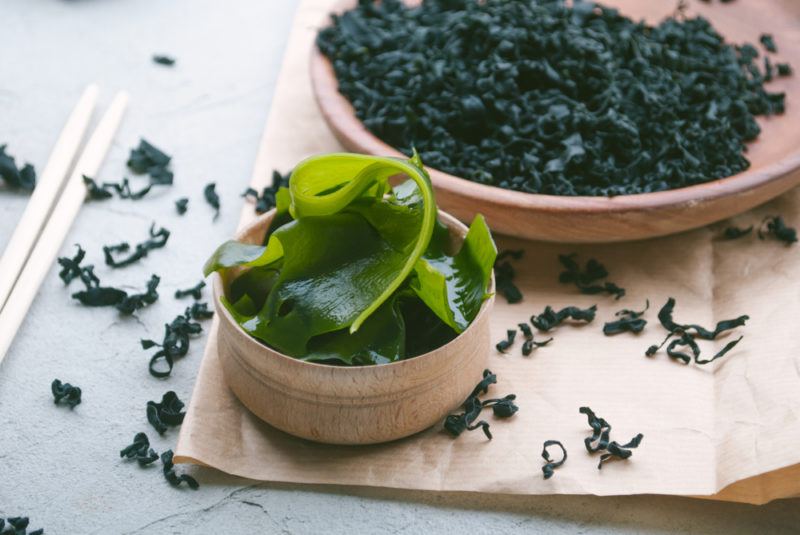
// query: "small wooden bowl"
[[356, 404], [775, 155]]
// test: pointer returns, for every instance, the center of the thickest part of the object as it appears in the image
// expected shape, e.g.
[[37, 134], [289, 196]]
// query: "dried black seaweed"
[[106, 190], [587, 279], [504, 274], [211, 197], [734, 233], [530, 343], [600, 440], [549, 468], [267, 200], [784, 69], [775, 227], [200, 311], [150, 160], [629, 321], [158, 238], [548, 96], [505, 407], [768, 42], [71, 267], [16, 177], [175, 344], [133, 302], [549, 318], [181, 205], [163, 60], [140, 450], [685, 335], [100, 296], [175, 479], [166, 413], [18, 525], [69, 394], [503, 345], [195, 291]]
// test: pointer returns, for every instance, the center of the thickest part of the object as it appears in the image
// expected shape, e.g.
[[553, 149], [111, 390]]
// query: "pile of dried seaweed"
[[542, 97]]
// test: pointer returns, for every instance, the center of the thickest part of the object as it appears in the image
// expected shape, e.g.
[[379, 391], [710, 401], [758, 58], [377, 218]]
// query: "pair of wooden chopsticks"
[[48, 216]]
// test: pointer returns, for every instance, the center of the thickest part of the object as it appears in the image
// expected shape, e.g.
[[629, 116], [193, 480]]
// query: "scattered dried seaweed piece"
[[147, 158], [132, 303], [503, 345], [549, 469], [784, 69], [166, 413], [175, 479], [181, 205], [175, 343], [140, 450], [106, 189], [16, 177], [99, 296], [734, 233], [161, 59], [505, 407], [617, 451], [504, 274], [768, 41], [665, 317], [775, 226], [721, 353], [71, 267], [268, 197], [211, 197], [158, 238], [200, 311], [69, 394], [629, 321], [195, 291], [549, 318], [19, 526], [96, 191], [587, 279], [530, 344]]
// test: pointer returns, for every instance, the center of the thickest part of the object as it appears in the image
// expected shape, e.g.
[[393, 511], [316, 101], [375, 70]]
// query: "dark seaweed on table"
[[629, 321], [18, 526], [587, 280], [549, 469], [16, 177], [161, 59], [784, 69], [199, 311], [100, 296], [181, 205], [211, 197], [600, 441], [503, 345], [133, 302], [158, 239], [196, 291], [550, 318], [150, 160], [106, 189], [768, 42], [166, 413], [266, 200], [530, 344], [734, 233], [774, 226], [505, 407], [173, 478], [71, 268], [69, 394], [177, 336], [139, 450], [546, 97], [504, 274]]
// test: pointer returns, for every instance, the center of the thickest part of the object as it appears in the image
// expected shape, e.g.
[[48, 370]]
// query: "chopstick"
[[46, 249], [46, 192]]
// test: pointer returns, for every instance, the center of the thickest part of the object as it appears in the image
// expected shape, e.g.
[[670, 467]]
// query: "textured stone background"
[[61, 467]]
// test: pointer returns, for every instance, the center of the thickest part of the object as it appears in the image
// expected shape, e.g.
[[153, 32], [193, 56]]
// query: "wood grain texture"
[[355, 404], [775, 155]]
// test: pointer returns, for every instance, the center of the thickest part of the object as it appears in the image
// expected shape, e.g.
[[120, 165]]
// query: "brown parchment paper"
[[729, 430]]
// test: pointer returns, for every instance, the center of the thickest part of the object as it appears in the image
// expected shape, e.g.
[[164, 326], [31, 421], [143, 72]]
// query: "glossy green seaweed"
[[351, 262]]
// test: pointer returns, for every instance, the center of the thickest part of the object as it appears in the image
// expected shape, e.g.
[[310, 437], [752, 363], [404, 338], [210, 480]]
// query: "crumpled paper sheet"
[[728, 430]]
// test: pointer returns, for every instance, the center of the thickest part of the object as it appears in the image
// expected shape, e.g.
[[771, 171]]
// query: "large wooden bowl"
[[357, 404], [775, 155]]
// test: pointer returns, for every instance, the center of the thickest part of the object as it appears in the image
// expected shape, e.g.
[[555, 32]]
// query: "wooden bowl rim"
[[453, 224], [324, 82]]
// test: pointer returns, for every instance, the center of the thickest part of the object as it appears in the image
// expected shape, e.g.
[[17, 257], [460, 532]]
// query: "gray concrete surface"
[[61, 467]]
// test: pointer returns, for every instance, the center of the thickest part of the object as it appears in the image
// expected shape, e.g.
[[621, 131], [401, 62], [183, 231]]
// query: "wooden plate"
[[775, 155], [351, 404]]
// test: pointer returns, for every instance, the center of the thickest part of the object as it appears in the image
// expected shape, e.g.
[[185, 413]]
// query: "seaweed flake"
[[734, 233], [549, 318], [150, 160], [71, 268], [549, 468], [175, 479], [784, 69], [267, 200], [504, 274], [505, 407], [775, 226], [16, 177], [166, 413], [161, 59], [69, 394], [600, 440], [503, 345], [211, 197], [175, 344], [586, 280], [132, 303], [195, 291], [629, 321], [530, 343], [158, 239], [181, 205], [768, 41], [140, 450]]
